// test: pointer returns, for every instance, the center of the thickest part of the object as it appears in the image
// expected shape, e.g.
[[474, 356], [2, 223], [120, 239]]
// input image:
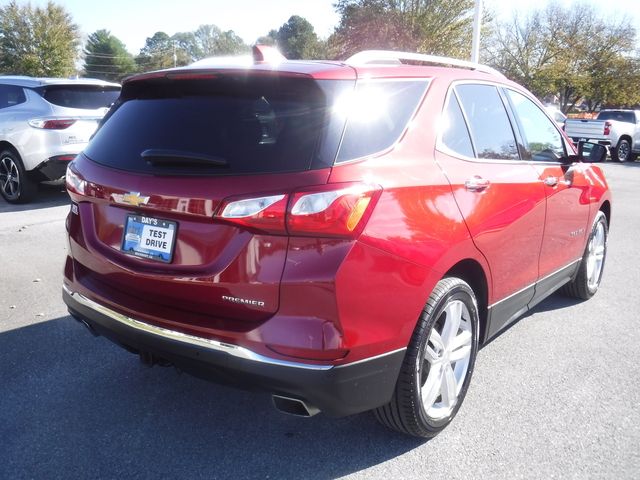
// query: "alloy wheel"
[[595, 259], [9, 178], [446, 360]]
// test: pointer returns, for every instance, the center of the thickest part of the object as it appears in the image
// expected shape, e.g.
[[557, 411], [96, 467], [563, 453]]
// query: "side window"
[[542, 140], [11, 95], [377, 113], [488, 122], [455, 135]]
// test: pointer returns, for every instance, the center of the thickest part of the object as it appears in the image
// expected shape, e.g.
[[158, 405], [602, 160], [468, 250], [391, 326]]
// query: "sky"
[[132, 21]]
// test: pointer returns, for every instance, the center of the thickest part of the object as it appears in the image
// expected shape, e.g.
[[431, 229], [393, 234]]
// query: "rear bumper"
[[335, 390]]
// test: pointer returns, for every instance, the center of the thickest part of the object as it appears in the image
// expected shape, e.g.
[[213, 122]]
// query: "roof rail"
[[387, 56]]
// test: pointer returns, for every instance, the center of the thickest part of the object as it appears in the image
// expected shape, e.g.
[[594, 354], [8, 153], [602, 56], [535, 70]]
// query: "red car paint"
[[328, 299]]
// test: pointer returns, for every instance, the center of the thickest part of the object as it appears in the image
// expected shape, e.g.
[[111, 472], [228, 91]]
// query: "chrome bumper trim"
[[233, 350]]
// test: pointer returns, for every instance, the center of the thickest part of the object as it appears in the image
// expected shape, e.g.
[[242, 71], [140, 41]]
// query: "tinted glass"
[[251, 125], [542, 140], [618, 115], [81, 96], [11, 95], [377, 112], [455, 135], [488, 121]]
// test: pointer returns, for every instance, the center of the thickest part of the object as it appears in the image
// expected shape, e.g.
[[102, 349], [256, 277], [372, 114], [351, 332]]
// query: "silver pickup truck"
[[619, 130]]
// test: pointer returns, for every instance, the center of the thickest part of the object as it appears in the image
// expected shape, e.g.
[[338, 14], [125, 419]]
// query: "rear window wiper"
[[179, 158]]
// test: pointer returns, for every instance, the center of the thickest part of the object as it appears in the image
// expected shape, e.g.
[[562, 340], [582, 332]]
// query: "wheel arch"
[[4, 145], [472, 272], [606, 209], [627, 138]]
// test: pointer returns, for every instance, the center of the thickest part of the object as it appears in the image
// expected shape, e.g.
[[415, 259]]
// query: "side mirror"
[[592, 152]]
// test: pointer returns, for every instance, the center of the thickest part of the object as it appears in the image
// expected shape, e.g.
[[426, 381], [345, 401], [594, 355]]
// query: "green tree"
[[440, 27], [40, 41], [107, 58], [210, 41], [570, 53], [297, 39], [162, 51]]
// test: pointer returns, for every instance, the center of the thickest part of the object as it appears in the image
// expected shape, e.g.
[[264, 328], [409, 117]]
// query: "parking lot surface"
[[555, 396]]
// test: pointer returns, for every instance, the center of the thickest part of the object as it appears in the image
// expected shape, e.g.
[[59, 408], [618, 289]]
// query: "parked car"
[[618, 130], [44, 124], [343, 235]]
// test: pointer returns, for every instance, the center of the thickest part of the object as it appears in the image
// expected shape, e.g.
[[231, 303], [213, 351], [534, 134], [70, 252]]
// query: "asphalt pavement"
[[555, 396]]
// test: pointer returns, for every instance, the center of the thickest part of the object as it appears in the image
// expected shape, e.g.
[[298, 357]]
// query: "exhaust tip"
[[294, 406]]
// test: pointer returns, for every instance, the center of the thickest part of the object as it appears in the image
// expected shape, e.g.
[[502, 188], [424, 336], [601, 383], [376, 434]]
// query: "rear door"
[[566, 189], [499, 195]]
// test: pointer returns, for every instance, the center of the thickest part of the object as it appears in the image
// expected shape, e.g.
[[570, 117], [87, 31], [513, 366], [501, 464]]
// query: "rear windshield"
[[618, 115], [245, 124], [88, 97]]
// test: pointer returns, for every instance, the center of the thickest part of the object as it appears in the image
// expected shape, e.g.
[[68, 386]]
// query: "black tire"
[[15, 184], [582, 286], [406, 412], [622, 151]]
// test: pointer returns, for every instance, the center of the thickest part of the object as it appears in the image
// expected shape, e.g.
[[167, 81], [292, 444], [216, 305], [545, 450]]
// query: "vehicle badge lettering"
[[243, 301]]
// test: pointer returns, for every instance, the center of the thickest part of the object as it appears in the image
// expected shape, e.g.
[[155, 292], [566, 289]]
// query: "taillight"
[[52, 123], [334, 210], [607, 128], [262, 213], [74, 182], [328, 211]]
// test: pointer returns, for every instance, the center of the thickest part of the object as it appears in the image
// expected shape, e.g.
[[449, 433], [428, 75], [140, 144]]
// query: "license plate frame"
[[139, 229]]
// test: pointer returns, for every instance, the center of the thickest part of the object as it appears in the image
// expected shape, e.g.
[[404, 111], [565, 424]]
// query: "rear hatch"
[[176, 151], [76, 109]]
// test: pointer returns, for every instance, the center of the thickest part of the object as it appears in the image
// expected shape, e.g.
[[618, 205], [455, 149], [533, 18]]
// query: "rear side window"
[[542, 140], [88, 97], [618, 115], [247, 124], [490, 128], [378, 113], [11, 95], [455, 135]]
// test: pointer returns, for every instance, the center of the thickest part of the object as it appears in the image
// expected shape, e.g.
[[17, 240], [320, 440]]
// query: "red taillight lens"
[[607, 128], [74, 182], [52, 123], [334, 210], [331, 210], [265, 214]]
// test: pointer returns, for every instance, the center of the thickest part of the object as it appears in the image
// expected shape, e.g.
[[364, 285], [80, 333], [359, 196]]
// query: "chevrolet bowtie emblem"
[[131, 198]]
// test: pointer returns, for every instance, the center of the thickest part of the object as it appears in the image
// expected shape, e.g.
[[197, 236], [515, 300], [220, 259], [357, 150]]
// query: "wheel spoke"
[[448, 388], [452, 322], [460, 346], [436, 340], [432, 386]]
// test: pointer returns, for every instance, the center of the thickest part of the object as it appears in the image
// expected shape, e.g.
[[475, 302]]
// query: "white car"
[[45, 123]]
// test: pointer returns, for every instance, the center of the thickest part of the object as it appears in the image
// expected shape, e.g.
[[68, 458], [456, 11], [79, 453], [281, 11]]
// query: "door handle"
[[476, 184], [551, 181]]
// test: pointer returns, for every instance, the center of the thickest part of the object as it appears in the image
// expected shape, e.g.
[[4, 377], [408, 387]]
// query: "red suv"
[[343, 235]]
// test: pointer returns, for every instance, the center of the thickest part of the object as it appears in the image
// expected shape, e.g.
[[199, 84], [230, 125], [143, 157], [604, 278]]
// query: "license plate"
[[149, 237]]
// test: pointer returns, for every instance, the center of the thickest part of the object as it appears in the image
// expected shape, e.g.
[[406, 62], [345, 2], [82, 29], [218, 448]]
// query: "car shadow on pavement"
[[80, 405], [47, 196]]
